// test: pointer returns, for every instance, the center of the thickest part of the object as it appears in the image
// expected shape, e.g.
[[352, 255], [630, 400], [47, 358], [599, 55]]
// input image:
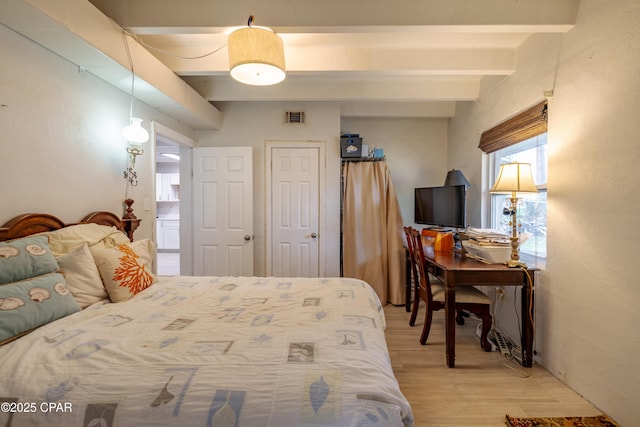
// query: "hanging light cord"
[[165, 52], [133, 74]]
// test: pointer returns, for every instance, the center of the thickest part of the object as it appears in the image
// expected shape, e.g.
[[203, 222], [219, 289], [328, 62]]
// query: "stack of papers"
[[487, 245], [487, 237]]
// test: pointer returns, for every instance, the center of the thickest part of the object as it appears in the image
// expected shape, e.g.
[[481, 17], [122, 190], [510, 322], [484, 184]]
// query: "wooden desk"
[[456, 270]]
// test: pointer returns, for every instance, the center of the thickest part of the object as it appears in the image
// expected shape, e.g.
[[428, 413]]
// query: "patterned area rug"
[[599, 421]]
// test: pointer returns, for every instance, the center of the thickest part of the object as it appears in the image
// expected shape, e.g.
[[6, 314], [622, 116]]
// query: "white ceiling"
[[414, 58], [166, 146], [417, 57]]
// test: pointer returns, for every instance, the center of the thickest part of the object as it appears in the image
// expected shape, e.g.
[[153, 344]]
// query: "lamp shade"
[[135, 132], [515, 178], [256, 56], [456, 177]]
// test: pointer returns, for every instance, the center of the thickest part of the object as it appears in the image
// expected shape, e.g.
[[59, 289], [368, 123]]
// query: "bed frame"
[[32, 223]]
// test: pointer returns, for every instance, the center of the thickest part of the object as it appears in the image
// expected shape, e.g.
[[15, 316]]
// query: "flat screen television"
[[441, 206]]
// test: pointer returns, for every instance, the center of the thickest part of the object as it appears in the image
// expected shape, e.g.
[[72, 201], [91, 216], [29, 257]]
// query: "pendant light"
[[134, 132], [256, 55]]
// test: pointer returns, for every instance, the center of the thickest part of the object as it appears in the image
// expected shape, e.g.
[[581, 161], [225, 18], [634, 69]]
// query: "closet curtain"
[[372, 230]]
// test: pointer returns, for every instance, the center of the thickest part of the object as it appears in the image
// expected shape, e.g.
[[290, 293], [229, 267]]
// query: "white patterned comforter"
[[210, 351]]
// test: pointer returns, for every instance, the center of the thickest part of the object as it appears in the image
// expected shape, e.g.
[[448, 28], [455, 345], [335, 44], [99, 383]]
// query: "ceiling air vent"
[[294, 117]]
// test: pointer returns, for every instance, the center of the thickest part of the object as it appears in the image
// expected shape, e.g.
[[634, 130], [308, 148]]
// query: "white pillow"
[[66, 239], [82, 276]]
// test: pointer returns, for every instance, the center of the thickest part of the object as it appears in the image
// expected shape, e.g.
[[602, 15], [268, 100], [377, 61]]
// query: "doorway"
[[168, 206], [172, 152]]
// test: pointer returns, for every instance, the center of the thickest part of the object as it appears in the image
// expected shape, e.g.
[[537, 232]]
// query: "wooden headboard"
[[32, 223]]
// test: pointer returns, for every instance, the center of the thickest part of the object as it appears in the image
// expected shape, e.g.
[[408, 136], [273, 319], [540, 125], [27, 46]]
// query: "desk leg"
[[450, 320], [527, 299]]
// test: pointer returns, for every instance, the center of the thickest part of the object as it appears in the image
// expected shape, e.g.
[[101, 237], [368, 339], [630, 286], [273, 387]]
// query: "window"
[[522, 138], [532, 207]]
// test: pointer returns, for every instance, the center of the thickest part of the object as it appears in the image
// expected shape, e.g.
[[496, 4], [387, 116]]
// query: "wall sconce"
[[256, 56], [514, 178], [135, 132], [130, 174]]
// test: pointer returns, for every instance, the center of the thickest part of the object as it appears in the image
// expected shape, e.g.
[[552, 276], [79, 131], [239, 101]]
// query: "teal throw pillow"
[[24, 258], [31, 303]]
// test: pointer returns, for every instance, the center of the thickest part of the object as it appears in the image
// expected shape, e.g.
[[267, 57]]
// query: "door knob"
[[247, 237], [314, 235]]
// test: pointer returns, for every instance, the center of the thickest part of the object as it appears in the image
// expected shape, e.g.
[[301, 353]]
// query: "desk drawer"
[[503, 277]]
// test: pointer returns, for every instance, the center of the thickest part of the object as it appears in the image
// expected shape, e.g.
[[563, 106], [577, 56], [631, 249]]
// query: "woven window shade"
[[529, 123]]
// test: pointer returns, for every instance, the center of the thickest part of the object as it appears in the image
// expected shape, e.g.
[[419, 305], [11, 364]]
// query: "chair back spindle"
[[421, 266]]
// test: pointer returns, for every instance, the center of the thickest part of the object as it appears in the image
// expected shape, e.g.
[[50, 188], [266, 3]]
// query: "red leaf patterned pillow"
[[123, 271]]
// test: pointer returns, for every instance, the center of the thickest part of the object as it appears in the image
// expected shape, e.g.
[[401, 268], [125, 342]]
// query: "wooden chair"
[[433, 294], [416, 282], [414, 275]]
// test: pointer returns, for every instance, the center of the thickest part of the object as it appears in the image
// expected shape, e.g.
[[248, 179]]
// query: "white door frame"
[[320, 145], [186, 239]]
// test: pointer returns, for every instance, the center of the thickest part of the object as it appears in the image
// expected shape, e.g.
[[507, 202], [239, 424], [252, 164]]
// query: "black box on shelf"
[[350, 146]]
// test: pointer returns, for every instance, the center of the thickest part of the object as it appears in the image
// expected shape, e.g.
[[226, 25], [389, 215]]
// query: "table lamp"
[[514, 178], [456, 177]]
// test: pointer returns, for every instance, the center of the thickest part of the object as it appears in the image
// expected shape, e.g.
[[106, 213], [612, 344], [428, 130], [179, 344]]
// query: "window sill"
[[533, 261]]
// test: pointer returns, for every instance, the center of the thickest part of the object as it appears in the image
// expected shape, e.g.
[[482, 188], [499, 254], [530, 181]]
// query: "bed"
[[179, 351]]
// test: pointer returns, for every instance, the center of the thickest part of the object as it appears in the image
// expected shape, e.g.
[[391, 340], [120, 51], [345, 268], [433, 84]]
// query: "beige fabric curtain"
[[372, 230]]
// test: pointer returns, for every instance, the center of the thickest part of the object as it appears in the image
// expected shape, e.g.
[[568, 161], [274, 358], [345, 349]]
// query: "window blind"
[[525, 125]]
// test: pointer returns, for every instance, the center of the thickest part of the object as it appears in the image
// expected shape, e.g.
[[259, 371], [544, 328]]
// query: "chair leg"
[[427, 326], [416, 304], [486, 327]]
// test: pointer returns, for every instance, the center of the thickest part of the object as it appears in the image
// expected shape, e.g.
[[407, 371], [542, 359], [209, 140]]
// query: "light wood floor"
[[481, 389], [168, 263]]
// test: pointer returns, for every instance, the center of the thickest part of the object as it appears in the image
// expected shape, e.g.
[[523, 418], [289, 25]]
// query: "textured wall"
[[61, 146], [415, 149], [586, 315]]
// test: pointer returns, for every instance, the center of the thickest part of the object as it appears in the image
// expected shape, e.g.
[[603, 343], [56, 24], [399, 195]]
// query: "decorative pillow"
[[24, 258], [66, 239], [146, 250], [123, 272], [83, 280], [31, 303]]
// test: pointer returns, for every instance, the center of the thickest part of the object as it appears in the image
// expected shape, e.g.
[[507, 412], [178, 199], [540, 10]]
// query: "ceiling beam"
[[80, 33], [285, 16], [434, 110], [302, 89], [431, 62]]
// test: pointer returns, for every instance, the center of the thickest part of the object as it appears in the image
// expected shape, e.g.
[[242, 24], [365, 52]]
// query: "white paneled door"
[[222, 211], [294, 206]]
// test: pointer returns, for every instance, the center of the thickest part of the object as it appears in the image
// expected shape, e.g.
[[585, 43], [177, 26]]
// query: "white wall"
[[252, 125], [61, 150], [587, 314], [415, 150]]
